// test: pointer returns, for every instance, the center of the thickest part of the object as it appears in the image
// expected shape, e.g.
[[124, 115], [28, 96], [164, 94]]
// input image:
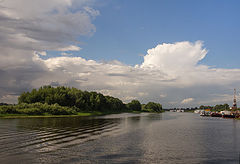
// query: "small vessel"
[[227, 114], [205, 113], [180, 110], [198, 111], [214, 114]]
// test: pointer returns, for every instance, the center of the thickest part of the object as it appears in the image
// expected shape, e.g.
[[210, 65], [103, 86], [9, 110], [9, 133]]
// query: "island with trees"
[[59, 101]]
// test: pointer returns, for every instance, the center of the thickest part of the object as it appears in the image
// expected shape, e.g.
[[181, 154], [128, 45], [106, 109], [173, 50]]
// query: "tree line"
[[71, 97], [218, 107], [66, 100]]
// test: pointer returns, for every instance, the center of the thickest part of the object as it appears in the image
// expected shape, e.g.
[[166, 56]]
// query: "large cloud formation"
[[170, 73], [31, 27]]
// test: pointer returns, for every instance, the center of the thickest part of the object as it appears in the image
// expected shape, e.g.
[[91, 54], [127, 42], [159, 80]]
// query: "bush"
[[8, 109], [30, 111], [37, 109]]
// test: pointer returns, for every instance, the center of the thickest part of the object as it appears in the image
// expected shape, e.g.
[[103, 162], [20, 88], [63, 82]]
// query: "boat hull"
[[216, 115], [228, 116]]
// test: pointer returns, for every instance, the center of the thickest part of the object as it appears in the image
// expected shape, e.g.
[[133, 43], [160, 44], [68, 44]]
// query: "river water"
[[121, 138]]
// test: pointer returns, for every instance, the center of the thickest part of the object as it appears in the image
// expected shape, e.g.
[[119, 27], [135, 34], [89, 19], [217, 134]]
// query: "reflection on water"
[[120, 138]]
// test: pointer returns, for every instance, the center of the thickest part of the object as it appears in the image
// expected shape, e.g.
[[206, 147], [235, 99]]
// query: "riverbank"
[[79, 114]]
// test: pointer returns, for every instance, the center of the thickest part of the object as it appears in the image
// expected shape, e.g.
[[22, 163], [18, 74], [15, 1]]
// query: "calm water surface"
[[121, 138]]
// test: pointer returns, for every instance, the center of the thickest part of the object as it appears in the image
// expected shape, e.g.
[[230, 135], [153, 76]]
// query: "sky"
[[178, 53]]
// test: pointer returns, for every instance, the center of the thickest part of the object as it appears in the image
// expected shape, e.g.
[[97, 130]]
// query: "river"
[[121, 138]]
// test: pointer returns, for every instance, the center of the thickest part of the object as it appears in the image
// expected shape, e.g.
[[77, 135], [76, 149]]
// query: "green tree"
[[220, 107], [153, 106], [134, 105]]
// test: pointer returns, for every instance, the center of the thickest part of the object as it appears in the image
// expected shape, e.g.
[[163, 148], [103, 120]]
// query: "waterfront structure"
[[234, 101]]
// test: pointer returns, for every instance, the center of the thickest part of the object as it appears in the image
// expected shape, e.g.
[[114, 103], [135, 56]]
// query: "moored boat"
[[205, 113], [214, 114], [228, 116]]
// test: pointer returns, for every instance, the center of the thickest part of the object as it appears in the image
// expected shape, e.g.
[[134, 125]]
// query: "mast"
[[234, 100]]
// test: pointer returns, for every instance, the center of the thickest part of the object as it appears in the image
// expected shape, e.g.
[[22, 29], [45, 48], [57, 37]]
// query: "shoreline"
[[80, 114]]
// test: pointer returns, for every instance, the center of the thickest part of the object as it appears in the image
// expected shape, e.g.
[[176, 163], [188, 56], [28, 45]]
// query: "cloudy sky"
[[178, 53]]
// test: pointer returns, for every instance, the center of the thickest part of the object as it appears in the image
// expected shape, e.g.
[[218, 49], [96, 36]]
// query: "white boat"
[[180, 110], [205, 113], [198, 111]]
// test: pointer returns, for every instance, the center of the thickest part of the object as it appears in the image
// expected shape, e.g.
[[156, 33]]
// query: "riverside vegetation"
[[56, 101]]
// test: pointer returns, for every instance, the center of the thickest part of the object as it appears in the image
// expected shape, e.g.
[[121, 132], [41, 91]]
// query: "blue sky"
[[126, 29]]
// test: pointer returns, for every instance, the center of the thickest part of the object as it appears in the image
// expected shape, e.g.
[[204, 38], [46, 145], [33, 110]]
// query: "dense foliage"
[[152, 107], [37, 109], [72, 97], [217, 107], [49, 100], [205, 107], [221, 107], [134, 105]]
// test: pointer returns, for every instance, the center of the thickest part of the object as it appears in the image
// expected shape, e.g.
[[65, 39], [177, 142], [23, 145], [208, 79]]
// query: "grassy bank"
[[79, 114]]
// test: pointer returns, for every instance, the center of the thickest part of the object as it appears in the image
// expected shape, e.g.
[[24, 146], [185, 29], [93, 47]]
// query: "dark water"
[[122, 138]]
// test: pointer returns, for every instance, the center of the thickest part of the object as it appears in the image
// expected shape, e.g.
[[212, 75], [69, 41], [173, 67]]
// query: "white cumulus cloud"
[[187, 100], [174, 57]]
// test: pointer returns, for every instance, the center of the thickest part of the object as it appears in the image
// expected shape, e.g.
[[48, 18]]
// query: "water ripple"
[[46, 135]]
